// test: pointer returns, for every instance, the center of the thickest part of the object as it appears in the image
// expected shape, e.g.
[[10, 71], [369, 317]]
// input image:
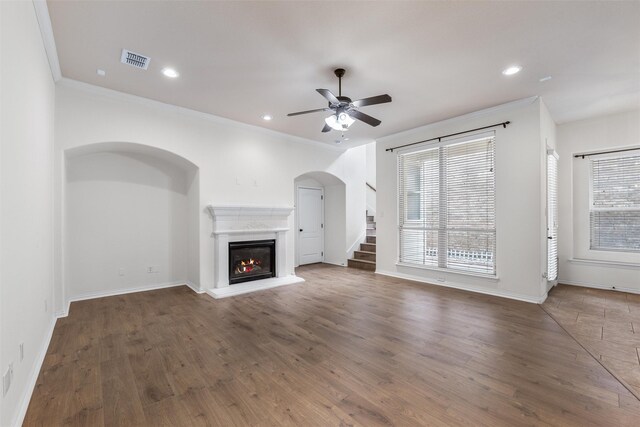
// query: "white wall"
[[26, 223], [578, 264], [125, 212], [519, 213], [371, 177], [239, 164], [193, 224]]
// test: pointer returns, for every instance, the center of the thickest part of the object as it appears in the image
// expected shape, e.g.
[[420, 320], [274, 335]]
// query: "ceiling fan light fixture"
[[340, 121]]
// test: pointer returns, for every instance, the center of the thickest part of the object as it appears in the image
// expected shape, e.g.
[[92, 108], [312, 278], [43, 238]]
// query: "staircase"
[[365, 258]]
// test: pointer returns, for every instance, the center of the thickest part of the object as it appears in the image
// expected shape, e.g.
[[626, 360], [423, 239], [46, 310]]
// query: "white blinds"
[[615, 203], [447, 206], [552, 216]]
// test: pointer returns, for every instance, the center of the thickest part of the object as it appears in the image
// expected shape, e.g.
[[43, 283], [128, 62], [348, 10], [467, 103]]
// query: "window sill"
[[597, 263], [447, 271]]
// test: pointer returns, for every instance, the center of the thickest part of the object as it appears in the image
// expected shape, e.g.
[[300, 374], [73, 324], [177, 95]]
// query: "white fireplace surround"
[[245, 223]]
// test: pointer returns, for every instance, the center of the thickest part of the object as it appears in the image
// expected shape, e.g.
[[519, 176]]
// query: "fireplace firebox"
[[252, 260]]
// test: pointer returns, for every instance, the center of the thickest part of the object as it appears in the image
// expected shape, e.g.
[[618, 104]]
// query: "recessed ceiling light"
[[544, 79], [514, 69], [101, 73], [267, 117], [170, 72], [346, 139]]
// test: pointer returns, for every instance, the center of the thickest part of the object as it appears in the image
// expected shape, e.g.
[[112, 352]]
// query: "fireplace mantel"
[[249, 219], [244, 223]]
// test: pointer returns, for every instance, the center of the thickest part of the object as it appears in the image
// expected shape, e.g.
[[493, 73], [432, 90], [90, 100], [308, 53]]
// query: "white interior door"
[[552, 216], [310, 225]]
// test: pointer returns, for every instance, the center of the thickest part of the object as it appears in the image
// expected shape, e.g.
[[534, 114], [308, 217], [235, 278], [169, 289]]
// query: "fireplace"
[[251, 260]]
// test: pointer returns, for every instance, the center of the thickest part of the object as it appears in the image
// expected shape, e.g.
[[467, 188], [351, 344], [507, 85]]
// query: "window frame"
[[591, 208], [401, 215]]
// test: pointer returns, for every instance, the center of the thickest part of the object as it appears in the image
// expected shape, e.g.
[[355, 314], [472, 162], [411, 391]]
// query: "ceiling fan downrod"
[[339, 72]]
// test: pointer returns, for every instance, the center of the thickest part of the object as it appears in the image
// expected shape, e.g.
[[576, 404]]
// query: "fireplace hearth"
[[251, 260]]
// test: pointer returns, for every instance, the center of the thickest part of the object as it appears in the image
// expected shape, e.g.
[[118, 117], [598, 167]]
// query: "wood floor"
[[347, 347], [606, 323]]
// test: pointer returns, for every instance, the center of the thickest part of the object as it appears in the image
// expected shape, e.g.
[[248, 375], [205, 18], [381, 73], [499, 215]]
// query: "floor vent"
[[135, 59]]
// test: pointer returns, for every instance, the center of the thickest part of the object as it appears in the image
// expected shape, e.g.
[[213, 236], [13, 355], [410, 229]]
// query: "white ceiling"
[[437, 60]]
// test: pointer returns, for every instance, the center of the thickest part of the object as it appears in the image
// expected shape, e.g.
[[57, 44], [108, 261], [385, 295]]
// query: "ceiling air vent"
[[135, 59]]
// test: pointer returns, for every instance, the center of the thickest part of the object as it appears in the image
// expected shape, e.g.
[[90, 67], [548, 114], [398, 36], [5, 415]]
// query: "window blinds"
[[615, 203], [552, 216], [447, 206]]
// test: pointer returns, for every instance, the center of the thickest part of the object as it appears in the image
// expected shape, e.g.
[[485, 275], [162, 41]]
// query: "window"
[[614, 213], [447, 206]]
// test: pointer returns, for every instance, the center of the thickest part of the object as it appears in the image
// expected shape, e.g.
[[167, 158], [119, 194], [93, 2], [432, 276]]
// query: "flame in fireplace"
[[248, 266]]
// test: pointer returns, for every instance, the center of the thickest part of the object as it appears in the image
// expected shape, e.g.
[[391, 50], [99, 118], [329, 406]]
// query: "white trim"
[[494, 292], [609, 264], [33, 376], [447, 270], [361, 239], [256, 285], [134, 99], [598, 286], [240, 210], [257, 230], [195, 288], [143, 288], [65, 311], [480, 113], [332, 263], [49, 42]]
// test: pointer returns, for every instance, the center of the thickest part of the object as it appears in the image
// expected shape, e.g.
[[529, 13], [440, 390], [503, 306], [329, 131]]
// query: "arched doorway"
[[329, 212]]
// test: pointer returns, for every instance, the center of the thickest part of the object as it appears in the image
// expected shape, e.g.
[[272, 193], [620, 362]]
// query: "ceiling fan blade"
[[309, 111], [330, 96], [380, 99], [326, 128], [364, 117]]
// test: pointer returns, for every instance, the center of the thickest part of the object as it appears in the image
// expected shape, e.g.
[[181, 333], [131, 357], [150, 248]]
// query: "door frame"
[[297, 221]]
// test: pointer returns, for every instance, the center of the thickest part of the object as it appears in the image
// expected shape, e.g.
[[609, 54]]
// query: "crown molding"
[[49, 42]]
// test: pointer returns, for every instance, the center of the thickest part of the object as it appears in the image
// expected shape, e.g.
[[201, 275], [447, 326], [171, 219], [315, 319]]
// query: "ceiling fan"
[[344, 109]]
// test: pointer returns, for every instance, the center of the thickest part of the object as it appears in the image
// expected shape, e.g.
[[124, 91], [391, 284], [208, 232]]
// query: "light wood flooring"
[[606, 323], [347, 347]]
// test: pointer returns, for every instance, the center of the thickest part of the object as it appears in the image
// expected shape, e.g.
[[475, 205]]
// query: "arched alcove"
[[334, 190], [130, 219]]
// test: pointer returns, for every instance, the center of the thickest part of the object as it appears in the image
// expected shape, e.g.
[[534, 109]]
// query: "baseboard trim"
[[195, 288], [460, 286], [258, 285], [333, 263], [598, 286], [33, 377], [144, 288]]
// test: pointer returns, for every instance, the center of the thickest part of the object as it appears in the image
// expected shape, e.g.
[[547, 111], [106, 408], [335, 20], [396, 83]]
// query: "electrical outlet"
[[121, 272], [21, 351], [149, 269]]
